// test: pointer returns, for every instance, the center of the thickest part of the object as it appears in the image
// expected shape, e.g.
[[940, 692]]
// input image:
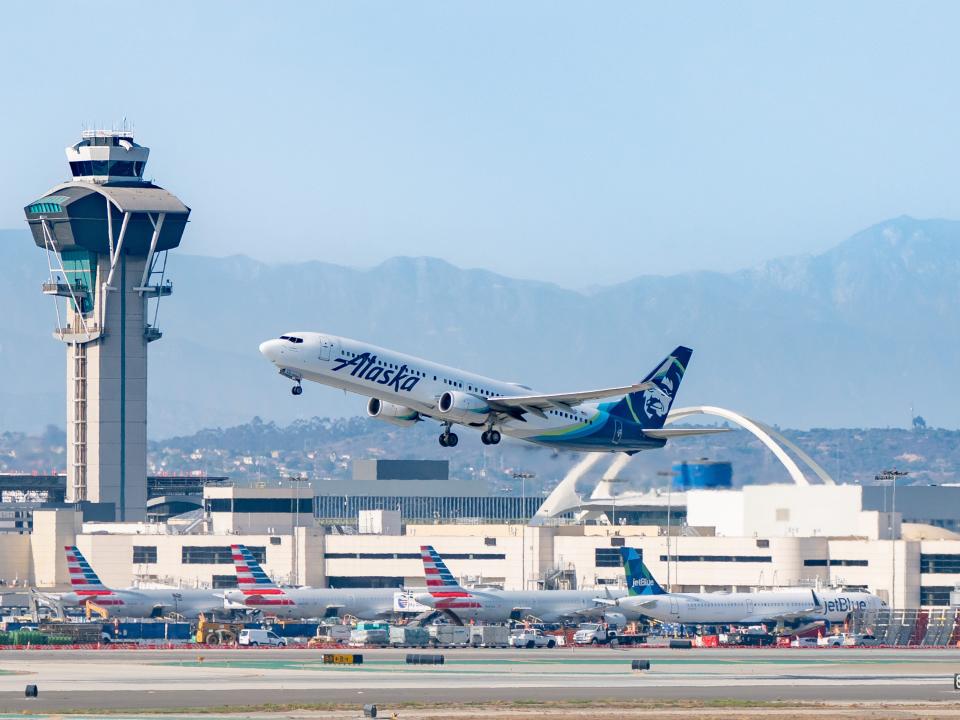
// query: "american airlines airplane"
[[133, 602], [404, 390], [256, 591], [493, 606], [791, 608]]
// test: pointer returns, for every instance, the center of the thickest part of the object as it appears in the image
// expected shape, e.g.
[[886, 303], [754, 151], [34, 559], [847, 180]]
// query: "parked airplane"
[[256, 591], [492, 606], [404, 390], [133, 602], [718, 608]]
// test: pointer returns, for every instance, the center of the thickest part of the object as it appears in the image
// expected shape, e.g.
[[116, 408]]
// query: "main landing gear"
[[490, 437], [447, 438]]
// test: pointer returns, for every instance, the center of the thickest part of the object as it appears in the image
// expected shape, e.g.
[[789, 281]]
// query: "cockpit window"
[[291, 338]]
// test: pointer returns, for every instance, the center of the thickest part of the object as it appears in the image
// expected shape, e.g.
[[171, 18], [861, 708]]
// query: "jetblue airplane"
[[404, 390], [797, 609]]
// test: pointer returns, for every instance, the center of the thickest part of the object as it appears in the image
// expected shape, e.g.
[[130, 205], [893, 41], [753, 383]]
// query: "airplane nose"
[[270, 349]]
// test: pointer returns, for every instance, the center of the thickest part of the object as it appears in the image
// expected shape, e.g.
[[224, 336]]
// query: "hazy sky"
[[583, 143]]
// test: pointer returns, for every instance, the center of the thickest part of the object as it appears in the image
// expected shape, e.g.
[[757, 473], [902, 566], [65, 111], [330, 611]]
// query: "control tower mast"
[[107, 233]]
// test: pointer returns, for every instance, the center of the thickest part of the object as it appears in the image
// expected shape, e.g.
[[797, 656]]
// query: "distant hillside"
[[851, 337], [326, 447]]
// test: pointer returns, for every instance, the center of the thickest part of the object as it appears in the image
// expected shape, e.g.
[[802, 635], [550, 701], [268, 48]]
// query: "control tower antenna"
[[107, 233]]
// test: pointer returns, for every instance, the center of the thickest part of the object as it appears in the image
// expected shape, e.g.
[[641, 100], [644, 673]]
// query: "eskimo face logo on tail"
[[366, 367], [657, 400]]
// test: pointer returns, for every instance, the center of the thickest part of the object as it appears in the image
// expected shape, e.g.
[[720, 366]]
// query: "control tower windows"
[[113, 168]]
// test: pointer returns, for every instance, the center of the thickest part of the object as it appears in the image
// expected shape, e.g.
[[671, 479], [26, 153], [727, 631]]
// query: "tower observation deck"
[[106, 233]]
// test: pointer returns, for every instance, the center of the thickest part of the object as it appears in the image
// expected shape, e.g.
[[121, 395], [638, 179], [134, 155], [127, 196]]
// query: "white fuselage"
[[152, 602], [743, 608], [496, 606], [412, 382], [303, 603]]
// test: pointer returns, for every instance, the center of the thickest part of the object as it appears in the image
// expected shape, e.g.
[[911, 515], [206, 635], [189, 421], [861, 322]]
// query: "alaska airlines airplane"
[[446, 594], [133, 602], [719, 608], [256, 591], [404, 390]]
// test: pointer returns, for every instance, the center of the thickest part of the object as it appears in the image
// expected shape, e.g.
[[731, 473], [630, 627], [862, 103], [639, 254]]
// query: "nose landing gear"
[[297, 389]]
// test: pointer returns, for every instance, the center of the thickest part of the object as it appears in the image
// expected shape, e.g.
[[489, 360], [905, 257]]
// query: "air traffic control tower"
[[106, 234]]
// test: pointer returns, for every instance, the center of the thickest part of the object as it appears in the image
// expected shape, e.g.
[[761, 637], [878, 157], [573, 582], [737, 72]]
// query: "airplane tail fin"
[[649, 408], [439, 578], [250, 576], [82, 576], [640, 580]]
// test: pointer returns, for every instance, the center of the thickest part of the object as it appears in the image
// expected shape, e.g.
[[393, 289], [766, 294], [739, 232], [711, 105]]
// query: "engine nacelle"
[[463, 407], [391, 413]]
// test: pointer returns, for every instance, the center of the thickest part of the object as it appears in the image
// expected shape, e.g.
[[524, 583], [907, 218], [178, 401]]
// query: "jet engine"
[[463, 407], [391, 413]]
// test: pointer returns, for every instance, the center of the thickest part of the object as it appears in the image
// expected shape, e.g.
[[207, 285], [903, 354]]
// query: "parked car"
[[254, 637], [803, 642], [830, 641]]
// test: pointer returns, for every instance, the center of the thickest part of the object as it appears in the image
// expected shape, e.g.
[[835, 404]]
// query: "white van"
[[253, 637]]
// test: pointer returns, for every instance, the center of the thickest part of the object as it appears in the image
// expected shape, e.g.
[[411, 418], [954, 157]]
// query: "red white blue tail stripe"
[[256, 585], [442, 585], [86, 584]]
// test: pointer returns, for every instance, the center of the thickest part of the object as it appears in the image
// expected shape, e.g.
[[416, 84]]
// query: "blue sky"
[[583, 143]]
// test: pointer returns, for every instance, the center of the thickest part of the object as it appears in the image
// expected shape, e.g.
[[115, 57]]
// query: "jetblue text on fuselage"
[[365, 367]]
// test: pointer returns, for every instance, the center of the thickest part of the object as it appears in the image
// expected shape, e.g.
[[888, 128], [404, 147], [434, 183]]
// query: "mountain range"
[[863, 335]]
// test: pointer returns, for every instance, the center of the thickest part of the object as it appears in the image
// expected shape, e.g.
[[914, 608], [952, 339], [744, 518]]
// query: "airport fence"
[[909, 628]]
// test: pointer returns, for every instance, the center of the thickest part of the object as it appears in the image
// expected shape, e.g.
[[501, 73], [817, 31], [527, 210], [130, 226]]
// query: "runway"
[[179, 679]]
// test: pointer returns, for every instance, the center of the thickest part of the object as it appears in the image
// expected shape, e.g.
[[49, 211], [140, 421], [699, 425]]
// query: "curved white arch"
[[765, 434]]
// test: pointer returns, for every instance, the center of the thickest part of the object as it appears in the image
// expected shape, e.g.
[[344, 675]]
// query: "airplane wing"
[[536, 404], [667, 433]]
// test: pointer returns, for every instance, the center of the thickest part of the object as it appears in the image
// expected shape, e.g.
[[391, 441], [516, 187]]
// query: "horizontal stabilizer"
[[667, 433]]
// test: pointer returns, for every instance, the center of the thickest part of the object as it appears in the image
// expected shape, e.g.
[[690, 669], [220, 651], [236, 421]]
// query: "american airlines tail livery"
[[444, 593], [404, 390], [133, 602], [256, 591]]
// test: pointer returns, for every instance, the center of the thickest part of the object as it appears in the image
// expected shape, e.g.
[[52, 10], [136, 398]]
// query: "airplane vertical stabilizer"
[[640, 580], [649, 408], [82, 576]]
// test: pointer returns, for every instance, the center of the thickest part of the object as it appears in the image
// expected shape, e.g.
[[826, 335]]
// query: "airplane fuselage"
[[302, 603], [495, 606], [414, 387], [152, 602]]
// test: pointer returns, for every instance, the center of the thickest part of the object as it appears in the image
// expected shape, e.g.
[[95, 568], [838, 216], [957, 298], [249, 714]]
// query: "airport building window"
[[144, 554], [719, 558], [834, 562], [935, 595], [224, 581], [216, 554], [939, 563], [490, 542], [365, 582], [607, 557], [258, 505], [617, 542]]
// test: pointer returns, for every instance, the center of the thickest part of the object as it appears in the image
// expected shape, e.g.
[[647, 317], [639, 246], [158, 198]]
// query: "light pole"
[[522, 476], [892, 476], [669, 474]]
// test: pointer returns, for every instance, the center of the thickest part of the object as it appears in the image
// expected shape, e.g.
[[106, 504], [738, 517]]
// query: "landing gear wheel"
[[485, 437], [452, 439], [443, 440], [494, 437], [297, 389]]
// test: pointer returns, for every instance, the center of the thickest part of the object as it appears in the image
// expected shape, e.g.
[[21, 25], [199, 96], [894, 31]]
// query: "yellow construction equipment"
[[217, 633], [90, 607]]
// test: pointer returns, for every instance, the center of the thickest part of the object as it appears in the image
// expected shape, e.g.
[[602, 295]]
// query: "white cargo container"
[[489, 635], [447, 635]]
